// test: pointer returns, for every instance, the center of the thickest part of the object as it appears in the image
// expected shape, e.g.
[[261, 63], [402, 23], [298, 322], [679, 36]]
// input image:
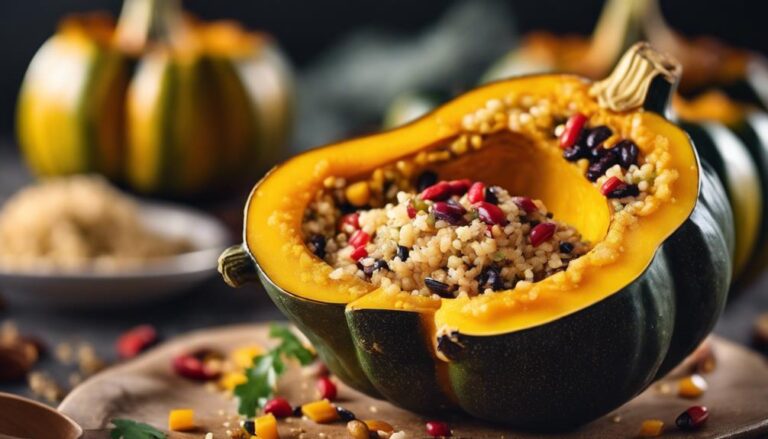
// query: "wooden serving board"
[[146, 388]]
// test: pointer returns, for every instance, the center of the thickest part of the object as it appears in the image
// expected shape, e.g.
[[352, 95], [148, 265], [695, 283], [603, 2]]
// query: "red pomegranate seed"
[[411, 210], [278, 407], [692, 418], [135, 341], [459, 187], [358, 253], [526, 204], [490, 214], [359, 239], [192, 366], [572, 130], [541, 233], [450, 212], [476, 193], [351, 219], [611, 185], [326, 388], [438, 429], [437, 192]]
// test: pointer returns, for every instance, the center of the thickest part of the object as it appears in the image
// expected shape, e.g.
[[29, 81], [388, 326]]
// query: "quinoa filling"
[[455, 237], [403, 230]]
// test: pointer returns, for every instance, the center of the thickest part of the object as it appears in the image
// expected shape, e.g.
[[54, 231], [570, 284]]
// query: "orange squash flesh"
[[276, 207]]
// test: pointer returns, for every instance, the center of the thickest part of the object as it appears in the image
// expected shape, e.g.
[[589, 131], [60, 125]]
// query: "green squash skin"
[[556, 375], [395, 352], [325, 327], [731, 160], [753, 131], [698, 269]]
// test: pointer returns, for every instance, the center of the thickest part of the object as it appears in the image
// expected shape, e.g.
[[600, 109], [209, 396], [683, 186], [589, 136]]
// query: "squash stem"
[[643, 78], [146, 22], [236, 266]]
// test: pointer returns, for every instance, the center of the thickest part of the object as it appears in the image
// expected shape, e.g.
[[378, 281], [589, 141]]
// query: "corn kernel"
[[358, 194], [320, 411], [266, 427], [181, 420], [376, 425], [691, 386], [651, 428], [230, 380], [243, 357]]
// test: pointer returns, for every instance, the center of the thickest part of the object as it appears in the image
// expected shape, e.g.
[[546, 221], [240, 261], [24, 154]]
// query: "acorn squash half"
[[558, 353]]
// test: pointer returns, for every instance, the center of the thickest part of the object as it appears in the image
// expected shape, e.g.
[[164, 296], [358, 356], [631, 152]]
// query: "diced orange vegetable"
[[266, 427], [651, 428], [320, 411], [230, 380], [181, 420], [376, 425], [243, 357], [691, 386]]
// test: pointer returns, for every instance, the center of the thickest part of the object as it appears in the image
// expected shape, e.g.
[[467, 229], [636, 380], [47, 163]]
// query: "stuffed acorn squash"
[[581, 249]]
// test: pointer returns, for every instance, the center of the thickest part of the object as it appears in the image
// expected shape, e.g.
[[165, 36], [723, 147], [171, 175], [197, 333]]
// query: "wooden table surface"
[[146, 389]]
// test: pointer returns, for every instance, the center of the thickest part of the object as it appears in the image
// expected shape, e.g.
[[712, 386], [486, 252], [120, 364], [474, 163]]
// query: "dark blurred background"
[[306, 28]]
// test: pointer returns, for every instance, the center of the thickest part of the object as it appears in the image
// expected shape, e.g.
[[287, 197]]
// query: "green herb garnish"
[[127, 429], [262, 376]]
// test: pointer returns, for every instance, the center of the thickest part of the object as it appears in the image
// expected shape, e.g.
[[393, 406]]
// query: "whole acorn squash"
[[563, 356], [169, 105]]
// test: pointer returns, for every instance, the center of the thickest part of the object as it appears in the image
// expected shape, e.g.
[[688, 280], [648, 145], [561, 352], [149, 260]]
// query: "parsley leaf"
[[261, 377], [127, 429]]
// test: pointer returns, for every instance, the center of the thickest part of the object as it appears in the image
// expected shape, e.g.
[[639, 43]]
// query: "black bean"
[[344, 414], [599, 152], [378, 265], [490, 277], [575, 153], [625, 190], [402, 252], [533, 223], [566, 247], [297, 412], [346, 208], [599, 167], [550, 215], [316, 243], [425, 180], [249, 426], [628, 153], [490, 195], [439, 288], [597, 136]]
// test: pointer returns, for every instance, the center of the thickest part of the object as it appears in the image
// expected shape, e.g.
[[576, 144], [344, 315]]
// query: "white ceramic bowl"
[[155, 281]]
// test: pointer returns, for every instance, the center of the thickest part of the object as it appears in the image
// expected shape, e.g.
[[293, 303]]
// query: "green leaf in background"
[[127, 429], [261, 377]]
